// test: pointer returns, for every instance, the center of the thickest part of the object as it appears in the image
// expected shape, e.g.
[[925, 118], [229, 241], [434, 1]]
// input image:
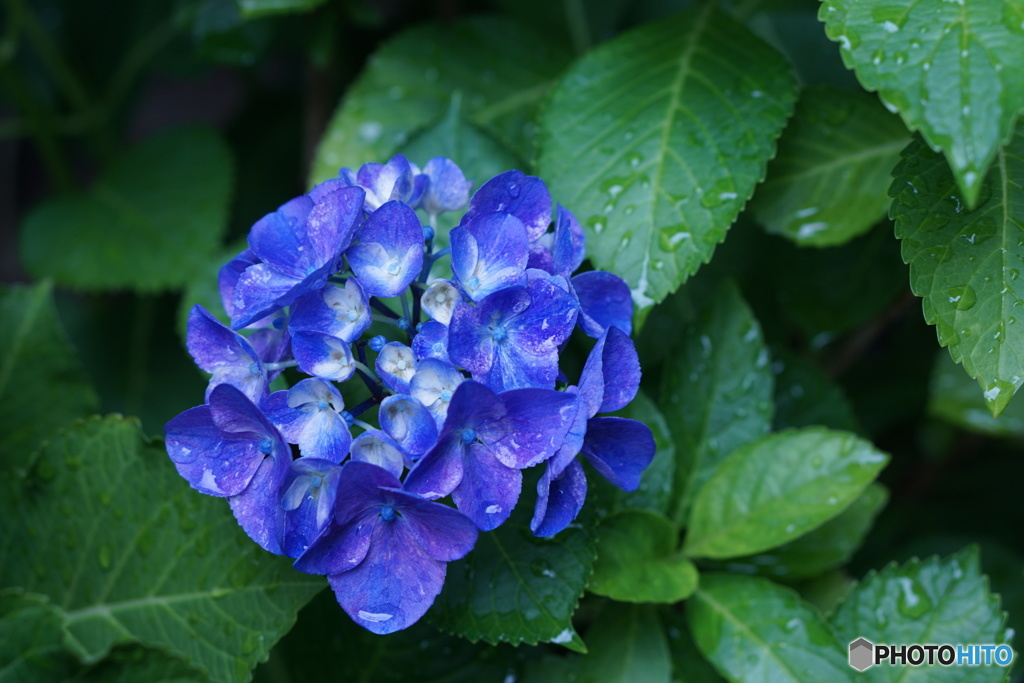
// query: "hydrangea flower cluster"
[[464, 393]]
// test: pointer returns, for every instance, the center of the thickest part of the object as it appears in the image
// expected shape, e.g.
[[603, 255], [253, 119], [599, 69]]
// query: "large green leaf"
[[932, 601], [688, 664], [778, 488], [501, 69], [954, 397], [827, 547], [627, 644], [656, 139], [830, 179], [129, 553], [638, 560], [517, 588], [716, 393], [149, 223], [30, 635], [754, 630], [42, 385], [951, 70], [966, 264], [252, 9]]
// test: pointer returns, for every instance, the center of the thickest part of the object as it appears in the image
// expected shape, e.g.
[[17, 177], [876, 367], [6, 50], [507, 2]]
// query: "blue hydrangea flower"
[[385, 551], [461, 384]]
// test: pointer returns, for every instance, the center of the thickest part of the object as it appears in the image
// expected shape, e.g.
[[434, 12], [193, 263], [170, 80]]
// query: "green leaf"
[[753, 629], [827, 547], [778, 488], [830, 179], [931, 601], [148, 224], [716, 392], [30, 635], [656, 139], [627, 644], [204, 289], [965, 264], [517, 588], [253, 9], [951, 70], [502, 71], [805, 396], [130, 664], [638, 560], [130, 554], [688, 664], [954, 397], [42, 384]]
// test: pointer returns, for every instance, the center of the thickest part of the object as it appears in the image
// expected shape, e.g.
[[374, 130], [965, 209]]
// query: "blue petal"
[[278, 239], [322, 355], [523, 196], [342, 312], [225, 354], [258, 508], [489, 490], [431, 341], [308, 491], [604, 302], [533, 427], [569, 246], [447, 189], [394, 585], [260, 291], [559, 499], [377, 448], [489, 253], [396, 365], [434, 385], [446, 534], [408, 423], [619, 449], [389, 254], [211, 461]]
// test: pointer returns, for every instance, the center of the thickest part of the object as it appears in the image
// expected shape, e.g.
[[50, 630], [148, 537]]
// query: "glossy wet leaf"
[[754, 630], [626, 644], [656, 138], [716, 392], [133, 555], [778, 488], [148, 223], [830, 179], [517, 588], [950, 69], [954, 397], [938, 600], [42, 383], [688, 664], [638, 560], [501, 70], [30, 640], [825, 548], [966, 263]]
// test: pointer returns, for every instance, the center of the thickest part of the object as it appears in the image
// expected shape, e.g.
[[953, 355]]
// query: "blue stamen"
[[266, 447], [468, 435], [499, 333], [387, 513]]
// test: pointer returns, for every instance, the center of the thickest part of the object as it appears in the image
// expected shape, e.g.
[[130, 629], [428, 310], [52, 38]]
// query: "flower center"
[[468, 435], [266, 447], [322, 404], [351, 316], [387, 513], [473, 282], [254, 369], [446, 395], [499, 333]]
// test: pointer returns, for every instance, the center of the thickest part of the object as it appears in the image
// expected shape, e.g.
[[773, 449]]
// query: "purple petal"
[[227, 278], [540, 254], [394, 585], [408, 423], [489, 253], [434, 385], [307, 502], [472, 332], [621, 368], [619, 449], [431, 341], [559, 499], [533, 427], [514, 192], [569, 246], [260, 291], [279, 239], [342, 312], [377, 448], [447, 189], [331, 224], [234, 413], [390, 251], [258, 509], [438, 472], [386, 182], [225, 354], [211, 461], [446, 534], [323, 356], [604, 302], [488, 491]]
